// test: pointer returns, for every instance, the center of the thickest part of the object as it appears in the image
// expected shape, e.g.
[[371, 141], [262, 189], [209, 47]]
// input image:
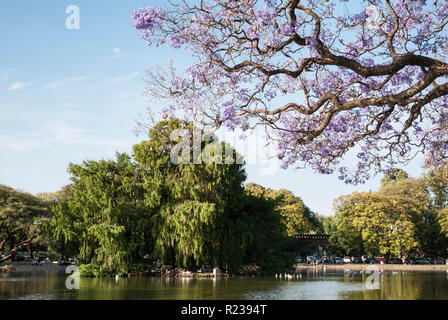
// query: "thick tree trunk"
[[13, 251]]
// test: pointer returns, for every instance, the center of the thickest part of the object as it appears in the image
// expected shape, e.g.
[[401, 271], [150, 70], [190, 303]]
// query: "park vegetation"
[[325, 79], [406, 217], [138, 212], [22, 222]]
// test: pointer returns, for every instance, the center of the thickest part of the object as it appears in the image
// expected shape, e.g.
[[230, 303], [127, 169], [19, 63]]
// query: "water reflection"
[[309, 284], [406, 286]]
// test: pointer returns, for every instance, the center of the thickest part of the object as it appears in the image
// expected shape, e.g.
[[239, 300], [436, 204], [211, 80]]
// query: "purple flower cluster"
[[225, 33], [148, 18]]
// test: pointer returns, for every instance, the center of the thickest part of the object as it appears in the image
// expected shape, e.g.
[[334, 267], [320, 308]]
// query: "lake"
[[313, 285]]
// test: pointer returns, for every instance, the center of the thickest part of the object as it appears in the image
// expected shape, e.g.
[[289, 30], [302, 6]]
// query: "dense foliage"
[[295, 215], [192, 201], [135, 212], [120, 214], [403, 218], [22, 222], [104, 219]]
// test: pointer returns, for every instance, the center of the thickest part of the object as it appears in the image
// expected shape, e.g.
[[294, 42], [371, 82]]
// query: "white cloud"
[[116, 53], [19, 85], [77, 79], [58, 84], [64, 133], [60, 134], [21, 144], [54, 85], [124, 78]]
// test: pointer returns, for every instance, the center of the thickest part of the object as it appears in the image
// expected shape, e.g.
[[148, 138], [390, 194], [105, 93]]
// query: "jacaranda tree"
[[322, 76]]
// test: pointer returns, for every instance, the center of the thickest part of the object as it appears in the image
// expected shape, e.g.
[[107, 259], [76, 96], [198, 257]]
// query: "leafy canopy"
[[117, 212], [104, 219], [22, 221]]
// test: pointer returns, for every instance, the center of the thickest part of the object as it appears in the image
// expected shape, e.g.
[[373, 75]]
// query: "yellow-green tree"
[[443, 220], [417, 200], [384, 223], [437, 181]]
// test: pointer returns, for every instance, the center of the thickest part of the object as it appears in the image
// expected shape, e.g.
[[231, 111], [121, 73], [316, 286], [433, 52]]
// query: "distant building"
[[310, 244]]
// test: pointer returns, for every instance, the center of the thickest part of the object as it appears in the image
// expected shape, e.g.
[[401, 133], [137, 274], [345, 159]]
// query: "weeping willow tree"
[[193, 199], [104, 218]]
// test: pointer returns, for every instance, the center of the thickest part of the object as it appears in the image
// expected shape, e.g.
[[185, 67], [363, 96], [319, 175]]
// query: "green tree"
[[437, 181], [378, 224], [186, 213], [104, 215], [443, 220], [417, 201], [22, 220], [396, 175], [337, 237], [193, 201], [345, 238], [265, 242], [295, 215], [61, 240]]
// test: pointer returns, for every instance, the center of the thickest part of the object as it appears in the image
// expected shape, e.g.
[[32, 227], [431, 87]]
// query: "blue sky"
[[71, 95]]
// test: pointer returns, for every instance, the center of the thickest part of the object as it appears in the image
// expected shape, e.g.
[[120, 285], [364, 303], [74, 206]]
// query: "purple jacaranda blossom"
[[248, 55]]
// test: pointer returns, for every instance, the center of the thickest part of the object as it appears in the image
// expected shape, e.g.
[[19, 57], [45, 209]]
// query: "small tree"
[[295, 215]]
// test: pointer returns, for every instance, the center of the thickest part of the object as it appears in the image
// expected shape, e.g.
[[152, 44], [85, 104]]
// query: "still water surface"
[[313, 285]]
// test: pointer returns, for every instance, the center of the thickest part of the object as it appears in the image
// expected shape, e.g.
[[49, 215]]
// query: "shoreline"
[[20, 267], [298, 268], [359, 267]]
